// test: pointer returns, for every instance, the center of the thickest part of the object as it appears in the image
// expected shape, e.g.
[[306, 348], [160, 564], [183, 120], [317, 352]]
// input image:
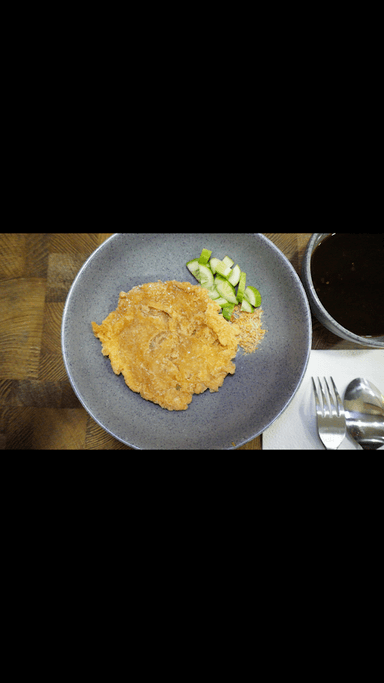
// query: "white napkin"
[[296, 427]]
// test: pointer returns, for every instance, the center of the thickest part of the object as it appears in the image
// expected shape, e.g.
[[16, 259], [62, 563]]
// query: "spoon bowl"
[[364, 413]]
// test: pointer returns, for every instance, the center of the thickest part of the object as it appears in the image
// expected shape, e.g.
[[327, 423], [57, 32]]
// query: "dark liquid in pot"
[[348, 276]]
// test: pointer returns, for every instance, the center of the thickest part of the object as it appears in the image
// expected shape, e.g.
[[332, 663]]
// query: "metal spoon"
[[364, 413]]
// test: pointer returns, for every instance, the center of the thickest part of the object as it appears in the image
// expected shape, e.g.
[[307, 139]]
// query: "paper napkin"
[[296, 427]]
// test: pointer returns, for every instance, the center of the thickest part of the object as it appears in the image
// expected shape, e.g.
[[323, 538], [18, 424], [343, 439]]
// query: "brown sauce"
[[348, 276]]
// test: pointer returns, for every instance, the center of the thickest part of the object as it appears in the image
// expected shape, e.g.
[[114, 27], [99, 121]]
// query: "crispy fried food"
[[248, 328], [169, 341]]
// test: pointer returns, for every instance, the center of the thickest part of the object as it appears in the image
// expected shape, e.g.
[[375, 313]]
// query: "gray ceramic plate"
[[248, 402]]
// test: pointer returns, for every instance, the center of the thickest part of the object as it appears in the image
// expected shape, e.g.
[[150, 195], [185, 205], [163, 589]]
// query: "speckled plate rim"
[[307, 329]]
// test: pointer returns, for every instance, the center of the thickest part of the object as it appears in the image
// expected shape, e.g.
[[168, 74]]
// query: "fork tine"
[[331, 426], [326, 411], [340, 407], [317, 401], [331, 402]]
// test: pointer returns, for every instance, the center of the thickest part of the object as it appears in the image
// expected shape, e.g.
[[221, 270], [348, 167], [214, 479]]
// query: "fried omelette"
[[169, 341]]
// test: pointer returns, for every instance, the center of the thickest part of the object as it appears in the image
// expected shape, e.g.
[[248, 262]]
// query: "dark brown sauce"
[[348, 276]]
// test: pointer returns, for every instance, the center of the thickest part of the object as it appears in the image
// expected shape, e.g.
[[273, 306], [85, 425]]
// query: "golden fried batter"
[[170, 341]]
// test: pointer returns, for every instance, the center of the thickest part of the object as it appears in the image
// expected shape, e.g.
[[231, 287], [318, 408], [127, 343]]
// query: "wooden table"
[[38, 407]]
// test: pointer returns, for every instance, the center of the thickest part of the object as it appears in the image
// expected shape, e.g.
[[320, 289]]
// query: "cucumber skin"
[[240, 296], [204, 258], [241, 287], [228, 310]]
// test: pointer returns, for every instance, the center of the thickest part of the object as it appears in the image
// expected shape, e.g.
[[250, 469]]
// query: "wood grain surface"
[[38, 407]]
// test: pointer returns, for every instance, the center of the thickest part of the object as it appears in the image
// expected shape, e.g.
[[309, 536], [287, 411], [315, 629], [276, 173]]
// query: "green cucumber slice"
[[228, 261], [213, 263], [228, 310], [219, 280], [235, 276], [222, 269], [241, 287], [193, 267], [246, 306], [206, 276], [212, 292], [219, 277], [221, 301], [226, 290], [253, 295], [204, 257]]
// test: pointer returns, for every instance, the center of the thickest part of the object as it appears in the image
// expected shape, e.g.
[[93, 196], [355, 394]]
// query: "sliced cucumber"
[[193, 267], [222, 269], [221, 301], [220, 280], [204, 257], [234, 276], [228, 261], [226, 290], [206, 276], [253, 296], [241, 287], [246, 306], [212, 292], [213, 263], [228, 310]]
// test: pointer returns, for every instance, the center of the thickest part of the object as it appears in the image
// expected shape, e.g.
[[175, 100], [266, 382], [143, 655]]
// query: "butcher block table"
[[38, 407]]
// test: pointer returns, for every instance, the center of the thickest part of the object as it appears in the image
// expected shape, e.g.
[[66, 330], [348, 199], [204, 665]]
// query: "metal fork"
[[330, 416]]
